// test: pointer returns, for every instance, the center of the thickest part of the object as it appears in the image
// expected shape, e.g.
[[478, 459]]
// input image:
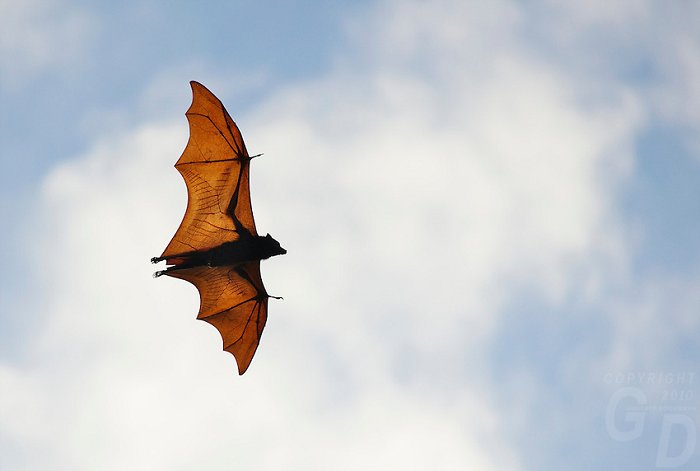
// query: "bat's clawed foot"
[[159, 273], [156, 259]]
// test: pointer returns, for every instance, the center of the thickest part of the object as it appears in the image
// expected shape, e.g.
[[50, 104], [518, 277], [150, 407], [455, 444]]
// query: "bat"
[[216, 247]]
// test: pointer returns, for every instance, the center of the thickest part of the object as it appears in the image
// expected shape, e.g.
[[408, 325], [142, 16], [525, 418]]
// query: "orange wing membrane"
[[233, 300], [215, 168], [217, 247]]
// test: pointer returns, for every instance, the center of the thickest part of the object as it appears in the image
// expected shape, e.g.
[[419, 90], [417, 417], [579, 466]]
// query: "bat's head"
[[273, 247]]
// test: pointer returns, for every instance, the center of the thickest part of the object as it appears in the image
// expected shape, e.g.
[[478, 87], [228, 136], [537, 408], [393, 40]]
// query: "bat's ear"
[[268, 236]]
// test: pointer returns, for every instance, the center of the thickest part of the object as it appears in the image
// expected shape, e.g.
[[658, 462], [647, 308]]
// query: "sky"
[[491, 212]]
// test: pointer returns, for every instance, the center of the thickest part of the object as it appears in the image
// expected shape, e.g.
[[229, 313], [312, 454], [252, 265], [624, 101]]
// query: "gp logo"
[[629, 406]]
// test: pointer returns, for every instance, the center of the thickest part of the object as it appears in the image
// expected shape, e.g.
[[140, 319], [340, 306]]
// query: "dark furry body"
[[246, 249]]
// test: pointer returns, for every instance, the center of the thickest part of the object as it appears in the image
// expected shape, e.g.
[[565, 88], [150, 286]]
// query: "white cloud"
[[41, 35], [654, 46], [662, 312], [677, 98], [414, 195]]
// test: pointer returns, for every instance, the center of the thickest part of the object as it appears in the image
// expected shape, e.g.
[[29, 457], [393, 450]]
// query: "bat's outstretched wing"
[[233, 300], [215, 166]]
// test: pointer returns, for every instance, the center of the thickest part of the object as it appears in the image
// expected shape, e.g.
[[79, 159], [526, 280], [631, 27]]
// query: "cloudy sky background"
[[492, 213]]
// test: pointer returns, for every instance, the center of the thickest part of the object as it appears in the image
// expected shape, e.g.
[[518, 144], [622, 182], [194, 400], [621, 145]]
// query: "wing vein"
[[235, 152]]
